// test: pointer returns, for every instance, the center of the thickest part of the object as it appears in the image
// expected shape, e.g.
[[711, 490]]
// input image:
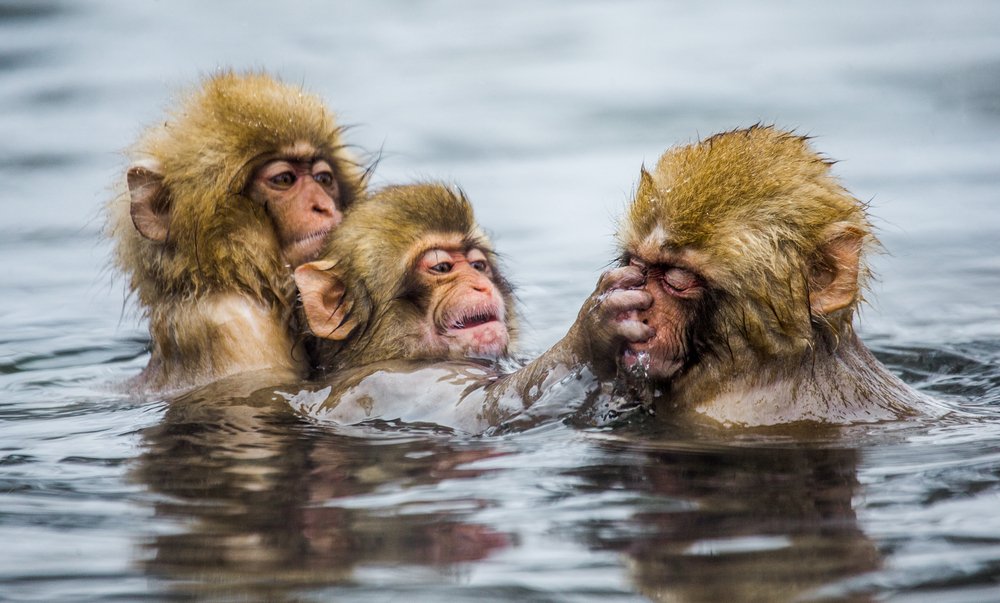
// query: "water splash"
[[630, 396]]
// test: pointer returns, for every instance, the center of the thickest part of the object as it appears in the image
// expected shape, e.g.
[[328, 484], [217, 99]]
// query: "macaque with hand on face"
[[243, 181], [754, 256], [415, 321]]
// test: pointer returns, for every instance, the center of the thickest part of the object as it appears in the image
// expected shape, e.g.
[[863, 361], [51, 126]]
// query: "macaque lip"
[[312, 237], [473, 320], [639, 355], [478, 332], [306, 248]]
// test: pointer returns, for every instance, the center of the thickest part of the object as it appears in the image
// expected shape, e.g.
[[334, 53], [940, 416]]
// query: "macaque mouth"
[[475, 331], [639, 360], [474, 318], [311, 237], [306, 248]]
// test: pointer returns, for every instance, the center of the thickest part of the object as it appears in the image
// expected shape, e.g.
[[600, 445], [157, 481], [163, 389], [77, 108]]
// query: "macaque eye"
[[680, 280], [283, 180], [442, 267], [324, 179], [477, 260]]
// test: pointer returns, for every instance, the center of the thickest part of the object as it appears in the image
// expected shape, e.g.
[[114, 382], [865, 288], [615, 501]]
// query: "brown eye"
[[441, 268], [282, 180], [323, 178], [478, 265]]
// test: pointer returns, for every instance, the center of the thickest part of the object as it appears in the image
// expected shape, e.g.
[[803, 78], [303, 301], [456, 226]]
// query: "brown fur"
[[758, 204], [219, 242], [372, 253], [780, 246]]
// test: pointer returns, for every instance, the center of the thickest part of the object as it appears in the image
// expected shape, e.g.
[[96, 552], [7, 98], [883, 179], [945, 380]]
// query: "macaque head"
[[244, 181], [408, 275], [752, 252]]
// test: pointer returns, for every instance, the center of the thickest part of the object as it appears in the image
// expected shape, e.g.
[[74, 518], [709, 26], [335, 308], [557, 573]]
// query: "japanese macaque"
[[412, 277], [754, 256], [413, 315], [241, 183]]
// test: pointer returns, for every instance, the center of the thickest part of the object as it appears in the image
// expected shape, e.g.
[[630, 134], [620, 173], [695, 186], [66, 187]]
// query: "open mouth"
[[476, 332], [472, 319]]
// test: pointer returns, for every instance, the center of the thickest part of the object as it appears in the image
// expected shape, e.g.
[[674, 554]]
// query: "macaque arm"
[[607, 321], [325, 300]]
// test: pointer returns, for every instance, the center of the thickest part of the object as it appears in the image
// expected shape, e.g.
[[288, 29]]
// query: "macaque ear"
[[150, 206], [833, 275], [325, 301]]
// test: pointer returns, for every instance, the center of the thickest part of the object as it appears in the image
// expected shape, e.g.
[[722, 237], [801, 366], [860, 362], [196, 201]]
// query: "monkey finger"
[[634, 331], [627, 300], [625, 277]]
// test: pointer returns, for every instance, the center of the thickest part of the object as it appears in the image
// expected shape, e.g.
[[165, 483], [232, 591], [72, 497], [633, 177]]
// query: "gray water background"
[[543, 113]]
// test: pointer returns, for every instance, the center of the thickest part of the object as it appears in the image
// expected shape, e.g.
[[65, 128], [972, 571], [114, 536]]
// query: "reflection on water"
[[746, 524], [543, 112], [263, 503]]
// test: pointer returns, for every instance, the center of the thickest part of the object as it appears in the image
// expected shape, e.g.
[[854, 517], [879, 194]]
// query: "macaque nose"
[[319, 201], [481, 283]]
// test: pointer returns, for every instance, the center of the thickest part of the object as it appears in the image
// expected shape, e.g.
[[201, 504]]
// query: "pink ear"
[[150, 205], [833, 282], [325, 301]]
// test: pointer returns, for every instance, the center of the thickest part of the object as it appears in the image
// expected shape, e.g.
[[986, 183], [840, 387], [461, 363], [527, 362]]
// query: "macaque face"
[[301, 195], [465, 310], [678, 291]]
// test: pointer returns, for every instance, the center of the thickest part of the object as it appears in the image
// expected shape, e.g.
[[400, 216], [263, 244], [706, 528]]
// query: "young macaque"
[[416, 321], [242, 182], [754, 256]]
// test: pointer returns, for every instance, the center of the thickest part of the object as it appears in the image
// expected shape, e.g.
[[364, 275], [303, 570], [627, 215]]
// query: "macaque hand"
[[610, 318]]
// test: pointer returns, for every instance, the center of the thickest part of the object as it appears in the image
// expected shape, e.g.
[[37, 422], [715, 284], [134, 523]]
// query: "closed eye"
[[680, 280]]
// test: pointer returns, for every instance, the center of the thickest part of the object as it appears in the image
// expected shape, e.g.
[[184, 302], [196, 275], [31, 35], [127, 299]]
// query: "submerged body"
[[463, 396]]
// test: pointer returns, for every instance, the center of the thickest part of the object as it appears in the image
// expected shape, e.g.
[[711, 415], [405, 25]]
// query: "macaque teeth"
[[475, 318]]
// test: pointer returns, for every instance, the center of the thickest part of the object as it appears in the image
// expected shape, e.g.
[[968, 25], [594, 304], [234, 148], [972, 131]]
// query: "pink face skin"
[[301, 196], [674, 289], [466, 309]]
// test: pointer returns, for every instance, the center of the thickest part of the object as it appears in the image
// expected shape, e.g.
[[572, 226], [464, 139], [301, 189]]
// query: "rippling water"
[[543, 113]]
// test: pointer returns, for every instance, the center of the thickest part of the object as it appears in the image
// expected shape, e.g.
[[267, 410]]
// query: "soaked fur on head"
[[371, 251], [219, 240], [759, 204]]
